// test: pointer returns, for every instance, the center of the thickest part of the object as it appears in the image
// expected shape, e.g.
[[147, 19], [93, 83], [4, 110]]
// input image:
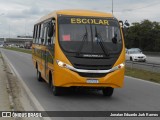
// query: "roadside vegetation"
[[19, 49], [143, 74], [0, 55], [144, 35], [133, 72]]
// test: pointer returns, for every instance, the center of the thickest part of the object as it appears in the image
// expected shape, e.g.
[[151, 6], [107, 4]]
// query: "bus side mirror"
[[121, 23], [50, 30], [126, 23]]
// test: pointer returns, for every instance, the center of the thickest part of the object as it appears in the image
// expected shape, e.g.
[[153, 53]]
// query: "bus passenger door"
[[46, 64], [49, 49], [49, 61]]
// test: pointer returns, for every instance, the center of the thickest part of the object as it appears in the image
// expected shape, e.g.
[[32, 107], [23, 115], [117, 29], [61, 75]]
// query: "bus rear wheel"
[[108, 91], [39, 77]]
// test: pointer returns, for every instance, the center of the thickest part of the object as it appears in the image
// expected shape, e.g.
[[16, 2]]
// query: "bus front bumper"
[[67, 78]]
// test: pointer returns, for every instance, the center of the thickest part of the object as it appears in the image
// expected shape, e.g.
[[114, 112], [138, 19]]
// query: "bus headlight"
[[64, 65], [121, 65], [61, 64]]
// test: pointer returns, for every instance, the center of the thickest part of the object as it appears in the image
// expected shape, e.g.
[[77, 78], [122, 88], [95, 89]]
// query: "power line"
[[149, 5]]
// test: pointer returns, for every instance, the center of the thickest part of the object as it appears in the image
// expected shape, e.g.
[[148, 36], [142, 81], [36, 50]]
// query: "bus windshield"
[[89, 35]]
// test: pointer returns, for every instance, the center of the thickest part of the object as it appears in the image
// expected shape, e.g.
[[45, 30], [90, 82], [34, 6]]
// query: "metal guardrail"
[[153, 67], [152, 53]]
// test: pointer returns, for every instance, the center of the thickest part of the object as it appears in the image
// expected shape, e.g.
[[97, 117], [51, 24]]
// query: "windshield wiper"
[[83, 41], [101, 43]]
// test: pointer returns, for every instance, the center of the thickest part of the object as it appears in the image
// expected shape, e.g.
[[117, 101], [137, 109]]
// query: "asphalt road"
[[152, 64], [153, 59], [136, 95]]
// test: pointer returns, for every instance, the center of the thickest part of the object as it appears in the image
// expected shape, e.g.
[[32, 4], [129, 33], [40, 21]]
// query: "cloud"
[[21, 15], [26, 13]]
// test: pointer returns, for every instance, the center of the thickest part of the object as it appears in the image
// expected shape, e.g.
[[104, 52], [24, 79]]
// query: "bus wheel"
[[56, 90], [39, 77], [108, 91]]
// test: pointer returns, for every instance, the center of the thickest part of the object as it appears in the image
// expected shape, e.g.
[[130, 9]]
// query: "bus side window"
[[42, 34], [36, 34], [51, 32], [54, 35], [39, 32], [45, 35]]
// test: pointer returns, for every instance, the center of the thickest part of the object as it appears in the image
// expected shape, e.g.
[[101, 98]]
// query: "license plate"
[[92, 81]]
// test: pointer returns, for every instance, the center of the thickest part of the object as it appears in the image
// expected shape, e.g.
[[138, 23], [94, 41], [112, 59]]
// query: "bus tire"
[[55, 90], [108, 91], [39, 77], [131, 59]]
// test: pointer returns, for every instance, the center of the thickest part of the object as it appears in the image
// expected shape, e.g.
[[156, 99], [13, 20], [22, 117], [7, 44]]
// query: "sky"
[[17, 17]]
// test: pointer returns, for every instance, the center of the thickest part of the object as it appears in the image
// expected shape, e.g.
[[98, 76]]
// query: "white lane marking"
[[142, 80]]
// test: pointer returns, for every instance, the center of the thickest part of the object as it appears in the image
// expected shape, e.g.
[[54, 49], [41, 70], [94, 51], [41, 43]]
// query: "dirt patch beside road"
[[17, 98], [14, 89]]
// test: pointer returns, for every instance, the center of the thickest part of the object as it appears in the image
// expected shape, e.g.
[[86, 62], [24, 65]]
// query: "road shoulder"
[[23, 98], [5, 93], [14, 96]]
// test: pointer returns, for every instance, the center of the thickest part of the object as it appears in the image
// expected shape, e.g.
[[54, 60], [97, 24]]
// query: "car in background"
[[136, 49], [1, 45], [21, 46], [27, 45], [135, 54]]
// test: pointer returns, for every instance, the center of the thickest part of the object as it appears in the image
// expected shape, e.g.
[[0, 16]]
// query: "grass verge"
[[143, 74], [134, 72], [19, 49]]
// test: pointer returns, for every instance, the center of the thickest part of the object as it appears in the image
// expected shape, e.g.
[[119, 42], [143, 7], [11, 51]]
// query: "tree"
[[144, 35]]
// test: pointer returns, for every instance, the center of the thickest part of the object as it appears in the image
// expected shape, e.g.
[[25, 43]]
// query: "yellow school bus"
[[79, 48]]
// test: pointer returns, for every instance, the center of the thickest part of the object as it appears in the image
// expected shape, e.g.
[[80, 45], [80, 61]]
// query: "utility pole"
[[9, 31], [112, 6], [25, 29], [2, 14]]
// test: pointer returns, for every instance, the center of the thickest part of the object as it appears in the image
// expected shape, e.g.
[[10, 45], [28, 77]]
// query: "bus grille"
[[92, 67], [92, 75]]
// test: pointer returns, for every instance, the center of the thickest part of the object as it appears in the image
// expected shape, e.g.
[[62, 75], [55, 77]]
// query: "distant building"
[[1, 41], [17, 41], [24, 36]]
